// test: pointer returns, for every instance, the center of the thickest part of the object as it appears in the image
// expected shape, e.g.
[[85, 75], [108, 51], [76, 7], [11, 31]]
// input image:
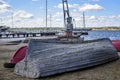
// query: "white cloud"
[[118, 16], [58, 14], [90, 0], [57, 21], [69, 5], [84, 7], [22, 14], [2, 2], [102, 18], [4, 7], [35, 0], [113, 17], [92, 18], [59, 6], [95, 0], [90, 7]]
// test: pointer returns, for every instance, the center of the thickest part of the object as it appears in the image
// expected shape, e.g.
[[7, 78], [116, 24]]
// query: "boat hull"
[[116, 44], [51, 56], [19, 55]]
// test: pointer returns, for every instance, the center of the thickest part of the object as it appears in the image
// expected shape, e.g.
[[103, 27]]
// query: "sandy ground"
[[109, 71]]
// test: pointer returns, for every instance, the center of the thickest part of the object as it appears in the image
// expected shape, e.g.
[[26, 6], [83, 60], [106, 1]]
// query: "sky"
[[31, 13]]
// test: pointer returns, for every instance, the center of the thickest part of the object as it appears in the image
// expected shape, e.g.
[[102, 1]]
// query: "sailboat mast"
[[84, 24], [50, 20], [12, 20], [46, 13]]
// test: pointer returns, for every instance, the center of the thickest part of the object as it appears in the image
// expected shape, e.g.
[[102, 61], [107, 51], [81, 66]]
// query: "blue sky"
[[31, 13]]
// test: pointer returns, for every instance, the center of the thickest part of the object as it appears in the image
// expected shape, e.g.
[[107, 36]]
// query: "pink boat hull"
[[116, 44], [19, 54]]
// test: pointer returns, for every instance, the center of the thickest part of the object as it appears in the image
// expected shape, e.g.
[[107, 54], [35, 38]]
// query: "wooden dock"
[[18, 35], [35, 34]]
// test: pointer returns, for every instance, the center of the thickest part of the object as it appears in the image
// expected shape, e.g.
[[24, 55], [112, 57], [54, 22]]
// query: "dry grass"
[[110, 71]]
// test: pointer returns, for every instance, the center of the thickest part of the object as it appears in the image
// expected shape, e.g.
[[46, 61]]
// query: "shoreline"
[[8, 40]]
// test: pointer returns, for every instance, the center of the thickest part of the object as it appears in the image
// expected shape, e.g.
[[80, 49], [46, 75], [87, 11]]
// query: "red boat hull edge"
[[19, 54], [116, 44]]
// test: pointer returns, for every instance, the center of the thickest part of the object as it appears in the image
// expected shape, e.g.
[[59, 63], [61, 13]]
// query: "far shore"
[[61, 28]]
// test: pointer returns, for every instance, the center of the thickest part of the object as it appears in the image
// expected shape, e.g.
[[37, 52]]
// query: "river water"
[[113, 35]]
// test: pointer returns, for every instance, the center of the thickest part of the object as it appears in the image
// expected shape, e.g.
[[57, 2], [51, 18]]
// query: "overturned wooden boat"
[[53, 56]]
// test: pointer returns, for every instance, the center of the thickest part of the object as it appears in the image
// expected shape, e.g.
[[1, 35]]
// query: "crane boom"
[[67, 19]]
